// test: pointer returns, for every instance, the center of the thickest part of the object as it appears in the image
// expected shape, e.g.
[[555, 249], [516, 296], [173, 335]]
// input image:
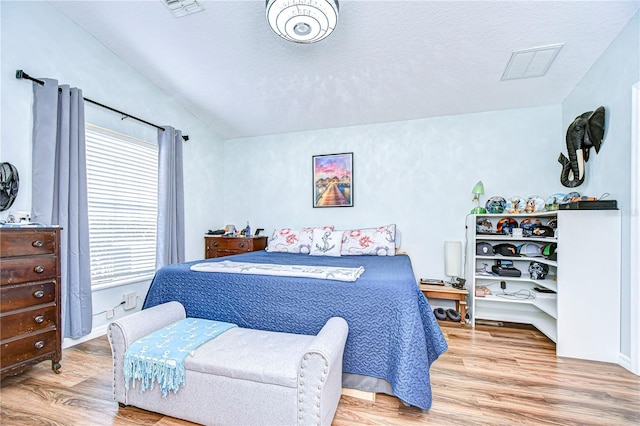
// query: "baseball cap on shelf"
[[542, 231], [484, 249], [550, 251], [530, 250], [506, 249]]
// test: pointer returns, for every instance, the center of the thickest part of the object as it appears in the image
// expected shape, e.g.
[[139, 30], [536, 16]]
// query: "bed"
[[393, 334]]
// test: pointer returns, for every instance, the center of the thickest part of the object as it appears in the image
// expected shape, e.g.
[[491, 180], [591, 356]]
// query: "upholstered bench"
[[243, 376]]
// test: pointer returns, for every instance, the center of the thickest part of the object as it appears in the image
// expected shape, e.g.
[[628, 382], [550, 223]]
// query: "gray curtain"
[[170, 246], [59, 194]]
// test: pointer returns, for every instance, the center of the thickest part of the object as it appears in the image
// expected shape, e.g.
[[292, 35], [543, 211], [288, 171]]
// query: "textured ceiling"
[[386, 61]]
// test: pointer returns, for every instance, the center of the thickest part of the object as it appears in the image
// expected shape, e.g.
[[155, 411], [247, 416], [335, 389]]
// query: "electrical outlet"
[[110, 313], [130, 300]]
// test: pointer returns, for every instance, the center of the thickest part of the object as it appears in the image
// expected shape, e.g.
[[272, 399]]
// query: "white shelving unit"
[[583, 315]]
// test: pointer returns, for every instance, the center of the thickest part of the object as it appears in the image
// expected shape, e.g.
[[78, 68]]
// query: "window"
[[122, 186]]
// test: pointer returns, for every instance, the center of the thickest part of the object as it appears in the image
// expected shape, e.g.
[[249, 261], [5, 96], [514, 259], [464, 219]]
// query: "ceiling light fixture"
[[302, 21]]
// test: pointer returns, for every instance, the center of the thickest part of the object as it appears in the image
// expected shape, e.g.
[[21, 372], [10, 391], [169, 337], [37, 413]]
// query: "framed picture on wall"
[[333, 180]]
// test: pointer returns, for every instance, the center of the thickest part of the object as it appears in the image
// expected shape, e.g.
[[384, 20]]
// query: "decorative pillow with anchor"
[[326, 243]]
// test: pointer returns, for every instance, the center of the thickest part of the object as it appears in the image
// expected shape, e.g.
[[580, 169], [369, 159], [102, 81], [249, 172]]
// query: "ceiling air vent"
[[180, 8], [534, 62]]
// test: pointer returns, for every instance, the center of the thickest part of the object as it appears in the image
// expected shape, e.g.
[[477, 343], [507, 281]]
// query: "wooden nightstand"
[[448, 293], [218, 246]]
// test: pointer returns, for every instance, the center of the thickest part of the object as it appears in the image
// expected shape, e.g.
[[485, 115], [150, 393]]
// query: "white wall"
[[608, 83], [417, 174], [44, 43]]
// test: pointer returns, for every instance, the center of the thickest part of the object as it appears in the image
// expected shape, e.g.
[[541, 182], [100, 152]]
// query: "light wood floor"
[[490, 376]]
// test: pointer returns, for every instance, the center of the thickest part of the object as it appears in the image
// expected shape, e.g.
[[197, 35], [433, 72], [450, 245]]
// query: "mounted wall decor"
[[333, 180], [586, 131]]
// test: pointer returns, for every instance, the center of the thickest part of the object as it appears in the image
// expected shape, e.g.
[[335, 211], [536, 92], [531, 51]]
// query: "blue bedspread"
[[393, 334]]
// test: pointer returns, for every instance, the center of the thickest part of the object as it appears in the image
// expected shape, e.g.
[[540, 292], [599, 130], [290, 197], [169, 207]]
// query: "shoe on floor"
[[440, 314], [453, 315]]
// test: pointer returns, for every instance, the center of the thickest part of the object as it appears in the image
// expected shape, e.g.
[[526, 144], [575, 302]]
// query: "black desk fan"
[[9, 184]]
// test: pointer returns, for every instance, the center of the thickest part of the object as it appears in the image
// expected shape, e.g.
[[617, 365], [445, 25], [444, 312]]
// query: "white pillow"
[[292, 240], [326, 243], [379, 241]]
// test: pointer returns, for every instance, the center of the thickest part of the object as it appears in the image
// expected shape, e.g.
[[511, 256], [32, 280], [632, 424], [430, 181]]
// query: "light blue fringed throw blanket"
[[159, 357]]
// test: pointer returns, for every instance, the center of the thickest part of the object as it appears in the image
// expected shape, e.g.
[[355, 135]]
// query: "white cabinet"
[[582, 313], [589, 280]]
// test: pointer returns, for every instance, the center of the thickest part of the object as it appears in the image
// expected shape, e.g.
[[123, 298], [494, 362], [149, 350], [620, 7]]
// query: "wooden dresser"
[[30, 330], [218, 246]]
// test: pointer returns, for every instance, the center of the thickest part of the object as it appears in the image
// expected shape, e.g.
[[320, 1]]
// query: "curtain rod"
[[23, 75]]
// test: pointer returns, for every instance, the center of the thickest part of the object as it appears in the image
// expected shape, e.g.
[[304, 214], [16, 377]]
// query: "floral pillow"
[[370, 241], [292, 240], [326, 243]]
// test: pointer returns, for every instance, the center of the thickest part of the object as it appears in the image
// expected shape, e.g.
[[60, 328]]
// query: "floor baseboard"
[[96, 332]]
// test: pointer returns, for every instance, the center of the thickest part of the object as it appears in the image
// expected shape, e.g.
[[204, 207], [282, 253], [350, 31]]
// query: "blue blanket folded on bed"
[[393, 334]]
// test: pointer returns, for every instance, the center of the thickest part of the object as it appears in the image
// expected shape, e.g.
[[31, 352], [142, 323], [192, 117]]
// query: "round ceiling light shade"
[[302, 21]]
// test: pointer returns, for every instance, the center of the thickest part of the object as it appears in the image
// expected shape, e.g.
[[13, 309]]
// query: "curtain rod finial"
[[21, 75]]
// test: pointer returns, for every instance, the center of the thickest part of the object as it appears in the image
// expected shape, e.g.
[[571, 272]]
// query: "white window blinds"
[[122, 184]]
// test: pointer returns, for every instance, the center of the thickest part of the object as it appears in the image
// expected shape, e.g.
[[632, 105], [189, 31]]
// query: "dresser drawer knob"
[[39, 319], [37, 243], [38, 269], [215, 244], [39, 344], [38, 294], [241, 244]]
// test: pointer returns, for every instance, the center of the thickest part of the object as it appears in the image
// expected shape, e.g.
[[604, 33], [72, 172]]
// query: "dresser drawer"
[[20, 296], [28, 347], [24, 269], [25, 322], [223, 252], [27, 243], [234, 244]]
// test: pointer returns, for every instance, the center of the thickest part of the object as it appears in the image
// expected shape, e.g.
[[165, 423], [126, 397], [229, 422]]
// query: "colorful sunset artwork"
[[333, 180]]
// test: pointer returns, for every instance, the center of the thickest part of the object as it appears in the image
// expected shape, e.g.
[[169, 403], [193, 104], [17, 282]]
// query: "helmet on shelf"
[[506, 225], [538, 271]]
